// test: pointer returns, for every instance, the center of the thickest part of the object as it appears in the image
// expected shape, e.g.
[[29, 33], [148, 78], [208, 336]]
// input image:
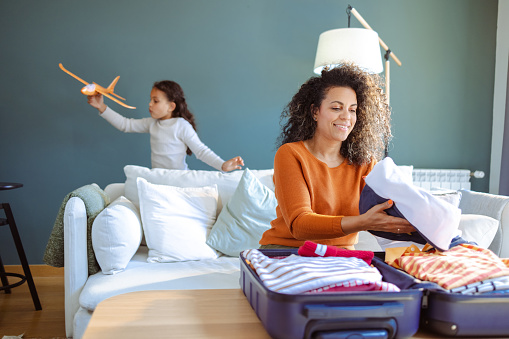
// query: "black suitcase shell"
[[453, 314]]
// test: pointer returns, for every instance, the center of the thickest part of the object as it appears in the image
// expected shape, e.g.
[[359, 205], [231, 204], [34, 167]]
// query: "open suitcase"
[[368, 314], [374, 314], [445, 313]]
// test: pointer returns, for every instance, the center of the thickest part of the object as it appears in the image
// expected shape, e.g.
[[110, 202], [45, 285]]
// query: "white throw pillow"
[[245, 217], [479, 228], [226, 182], [116, 235], [451, 196], [177, 220]]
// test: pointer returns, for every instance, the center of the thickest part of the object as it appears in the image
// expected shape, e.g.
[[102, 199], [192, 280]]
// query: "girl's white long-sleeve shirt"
[[169, 140]]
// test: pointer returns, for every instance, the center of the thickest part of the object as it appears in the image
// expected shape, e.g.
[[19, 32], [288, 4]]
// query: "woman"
[[338, 126]]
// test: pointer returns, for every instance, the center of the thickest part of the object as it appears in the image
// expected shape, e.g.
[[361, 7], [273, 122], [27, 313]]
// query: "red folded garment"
[[312, 249]]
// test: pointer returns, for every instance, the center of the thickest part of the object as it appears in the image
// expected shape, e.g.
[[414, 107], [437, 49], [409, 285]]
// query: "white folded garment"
[[436, 220]]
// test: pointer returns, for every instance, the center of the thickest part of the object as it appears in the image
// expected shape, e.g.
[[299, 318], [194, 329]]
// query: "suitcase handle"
[[391, 309], [376, 334]]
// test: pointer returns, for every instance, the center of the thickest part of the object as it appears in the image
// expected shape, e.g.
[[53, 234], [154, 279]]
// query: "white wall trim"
[[499, 95]]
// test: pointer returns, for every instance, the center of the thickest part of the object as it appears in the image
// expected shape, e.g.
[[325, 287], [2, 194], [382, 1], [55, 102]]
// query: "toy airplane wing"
[[112, 98], [91, 89], [72, 74]]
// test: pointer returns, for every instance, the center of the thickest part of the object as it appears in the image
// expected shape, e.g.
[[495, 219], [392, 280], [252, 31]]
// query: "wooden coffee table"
[[223, 313], [176, 314]]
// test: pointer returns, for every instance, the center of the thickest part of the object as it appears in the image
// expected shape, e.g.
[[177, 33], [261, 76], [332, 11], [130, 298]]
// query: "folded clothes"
[[297, 274], [486, 286], [312, 249], [464, 264], [358, 285]]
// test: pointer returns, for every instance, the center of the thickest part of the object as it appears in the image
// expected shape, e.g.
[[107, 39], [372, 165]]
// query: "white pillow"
[[479, 228], [177, 220], [116, 235], [451, 196], [245, 217], [226, 182]]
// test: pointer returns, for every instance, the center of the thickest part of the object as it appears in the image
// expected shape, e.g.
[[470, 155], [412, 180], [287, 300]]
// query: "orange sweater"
[[313, 198]]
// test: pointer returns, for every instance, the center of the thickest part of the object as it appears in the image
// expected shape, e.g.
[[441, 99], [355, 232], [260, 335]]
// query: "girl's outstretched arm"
[[232, 164]]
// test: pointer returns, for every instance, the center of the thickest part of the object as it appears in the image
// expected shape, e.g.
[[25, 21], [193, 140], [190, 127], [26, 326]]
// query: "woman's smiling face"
[[337, 114]]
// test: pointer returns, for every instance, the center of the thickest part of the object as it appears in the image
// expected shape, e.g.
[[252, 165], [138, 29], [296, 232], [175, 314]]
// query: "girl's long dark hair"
[[175, 94]]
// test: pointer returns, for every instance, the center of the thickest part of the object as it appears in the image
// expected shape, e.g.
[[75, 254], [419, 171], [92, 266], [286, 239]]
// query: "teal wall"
[[239, 62]]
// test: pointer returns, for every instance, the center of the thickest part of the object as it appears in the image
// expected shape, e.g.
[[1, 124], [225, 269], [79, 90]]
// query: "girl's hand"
[[97, 101], [232, 164], [376, 219]]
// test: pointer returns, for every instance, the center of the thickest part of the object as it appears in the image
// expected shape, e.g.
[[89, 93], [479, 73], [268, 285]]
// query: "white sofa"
[[83, 292]]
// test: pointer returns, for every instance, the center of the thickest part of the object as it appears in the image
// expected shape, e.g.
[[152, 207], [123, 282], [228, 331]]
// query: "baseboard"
[[37, 270]]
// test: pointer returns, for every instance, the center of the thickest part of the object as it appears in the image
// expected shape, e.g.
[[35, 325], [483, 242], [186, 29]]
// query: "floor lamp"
[[357, 45]]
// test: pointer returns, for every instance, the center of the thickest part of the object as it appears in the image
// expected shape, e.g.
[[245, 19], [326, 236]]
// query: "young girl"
[[172, 129]]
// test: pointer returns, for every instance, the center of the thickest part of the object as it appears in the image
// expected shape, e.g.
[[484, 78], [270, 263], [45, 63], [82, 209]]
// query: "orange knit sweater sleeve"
[[313, 198]]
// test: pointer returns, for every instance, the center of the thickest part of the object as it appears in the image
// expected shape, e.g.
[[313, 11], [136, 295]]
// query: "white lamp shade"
[[357, 45]]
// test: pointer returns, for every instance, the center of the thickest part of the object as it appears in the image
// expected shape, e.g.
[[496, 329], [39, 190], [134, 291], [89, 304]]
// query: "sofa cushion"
[[114, 190], [244, 218], [226, 182], [177, 221], [116, 235], [139, 275], [478, 228]]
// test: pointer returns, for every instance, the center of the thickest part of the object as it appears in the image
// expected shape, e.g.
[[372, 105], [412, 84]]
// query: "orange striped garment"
[[462, 265]]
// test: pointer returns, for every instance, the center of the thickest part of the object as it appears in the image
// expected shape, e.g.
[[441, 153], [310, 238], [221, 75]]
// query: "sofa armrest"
[[504, 233], [75, 258], [491, 205]]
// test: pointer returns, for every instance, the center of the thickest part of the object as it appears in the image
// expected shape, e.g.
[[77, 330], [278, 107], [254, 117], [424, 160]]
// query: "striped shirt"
[[295, 274], [461, 265]]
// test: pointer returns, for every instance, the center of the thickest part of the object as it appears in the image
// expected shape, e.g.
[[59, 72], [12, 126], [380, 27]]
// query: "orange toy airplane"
[[93, 88]]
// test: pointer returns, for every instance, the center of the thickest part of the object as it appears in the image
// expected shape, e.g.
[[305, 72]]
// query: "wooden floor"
[[17, 311]]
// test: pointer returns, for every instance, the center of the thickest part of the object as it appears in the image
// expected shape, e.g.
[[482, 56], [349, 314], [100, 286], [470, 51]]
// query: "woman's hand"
[[97, 101], [232, 164], [376, 219]]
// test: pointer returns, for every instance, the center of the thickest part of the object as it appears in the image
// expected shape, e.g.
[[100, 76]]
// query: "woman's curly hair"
[[372, 131]]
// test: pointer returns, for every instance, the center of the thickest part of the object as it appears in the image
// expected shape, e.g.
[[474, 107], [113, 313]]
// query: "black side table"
[[27, 277]]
